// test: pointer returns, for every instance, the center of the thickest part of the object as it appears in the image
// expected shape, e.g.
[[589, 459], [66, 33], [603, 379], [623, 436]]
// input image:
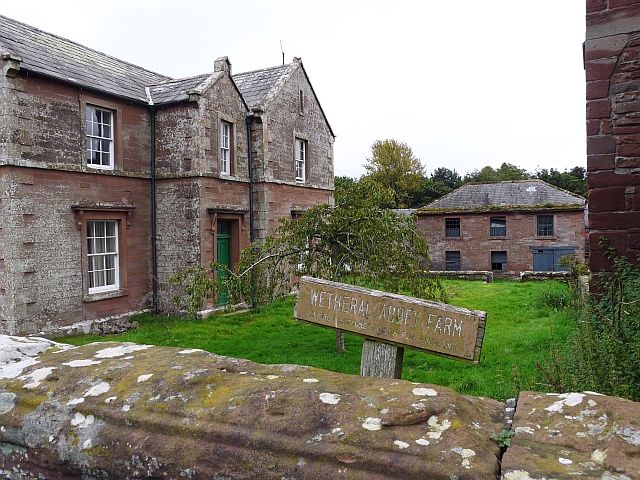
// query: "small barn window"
[[452, 260], [499, 261], [452, 227], [545, 225], [498, 227]]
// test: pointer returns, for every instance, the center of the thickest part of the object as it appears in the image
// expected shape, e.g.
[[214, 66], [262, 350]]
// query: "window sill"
[[96, 297], [499, 237], [552, 237], [453, 238], [103, 168]]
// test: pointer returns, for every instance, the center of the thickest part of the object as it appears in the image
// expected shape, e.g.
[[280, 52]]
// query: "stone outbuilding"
[[506, 227], [113, 177]]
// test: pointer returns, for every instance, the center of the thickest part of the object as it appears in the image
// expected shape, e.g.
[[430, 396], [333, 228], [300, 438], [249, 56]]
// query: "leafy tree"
[[506, 172], [342, 185], [393, 165], [448, 177], [430, 190], [573, 180], [363, 191], [356, 241]]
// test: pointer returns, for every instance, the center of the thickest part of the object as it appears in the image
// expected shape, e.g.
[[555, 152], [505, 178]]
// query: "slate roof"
[[57, 57], [177, 90], [506, 195], [258, 87]]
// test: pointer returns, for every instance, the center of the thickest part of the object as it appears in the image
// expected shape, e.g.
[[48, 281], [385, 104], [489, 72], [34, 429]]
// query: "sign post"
[[389, 322]]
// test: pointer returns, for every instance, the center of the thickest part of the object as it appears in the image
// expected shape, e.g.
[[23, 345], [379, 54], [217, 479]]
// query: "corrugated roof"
[[259, 86], [524, 193], [57, 57]]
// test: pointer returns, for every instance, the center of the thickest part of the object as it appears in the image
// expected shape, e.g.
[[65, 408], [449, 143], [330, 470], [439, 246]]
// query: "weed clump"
[[604, 353]]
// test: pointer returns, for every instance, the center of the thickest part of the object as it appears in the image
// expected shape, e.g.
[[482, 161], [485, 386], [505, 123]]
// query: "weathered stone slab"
[[129, 411], [397, 319], [574, 435]]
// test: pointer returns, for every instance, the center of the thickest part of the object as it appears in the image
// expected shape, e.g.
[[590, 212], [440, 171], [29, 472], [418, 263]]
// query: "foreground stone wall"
[[115, 410]]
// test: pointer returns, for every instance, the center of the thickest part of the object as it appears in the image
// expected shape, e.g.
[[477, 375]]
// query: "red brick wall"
[[475, 245], [612, 63]]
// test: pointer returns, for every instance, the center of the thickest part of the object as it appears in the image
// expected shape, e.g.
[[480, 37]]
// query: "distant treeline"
[[393, 166]]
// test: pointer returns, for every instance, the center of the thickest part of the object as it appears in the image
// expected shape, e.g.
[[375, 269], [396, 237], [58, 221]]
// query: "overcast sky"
[[464, 83]]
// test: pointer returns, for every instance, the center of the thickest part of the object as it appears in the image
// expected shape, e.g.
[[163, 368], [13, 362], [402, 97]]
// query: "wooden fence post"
[[381, 360]]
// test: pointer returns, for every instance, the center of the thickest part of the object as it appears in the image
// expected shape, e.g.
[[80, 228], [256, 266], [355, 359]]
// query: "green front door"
[[223, 255]]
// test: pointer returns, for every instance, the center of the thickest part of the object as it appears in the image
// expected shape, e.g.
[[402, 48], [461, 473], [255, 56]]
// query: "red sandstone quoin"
[[612, 65]]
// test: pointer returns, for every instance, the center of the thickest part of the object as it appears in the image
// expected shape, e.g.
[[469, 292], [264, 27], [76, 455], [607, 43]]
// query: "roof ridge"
[[83, 46], [262, 69], [182, 79]]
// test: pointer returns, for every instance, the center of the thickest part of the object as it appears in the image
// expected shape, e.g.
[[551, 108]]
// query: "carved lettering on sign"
[[397, 319]]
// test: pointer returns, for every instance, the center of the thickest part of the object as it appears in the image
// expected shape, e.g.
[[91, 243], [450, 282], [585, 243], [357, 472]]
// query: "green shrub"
[[555, 299], [604, 353]]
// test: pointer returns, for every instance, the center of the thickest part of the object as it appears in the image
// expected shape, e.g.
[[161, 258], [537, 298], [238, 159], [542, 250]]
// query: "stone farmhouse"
[[506, 227], [113, 177]]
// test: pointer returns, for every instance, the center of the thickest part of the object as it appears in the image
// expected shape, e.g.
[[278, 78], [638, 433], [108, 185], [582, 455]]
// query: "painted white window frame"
[[300, 160], [225, 147], [94, 131], [115, 254]]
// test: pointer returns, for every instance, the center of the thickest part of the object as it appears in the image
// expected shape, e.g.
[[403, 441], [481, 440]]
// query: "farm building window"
[[99, 137], [300, 160], [452, 260], [498, 227], [499, 261], [226, 131], [102, 250], [452, 227], [545, 226]]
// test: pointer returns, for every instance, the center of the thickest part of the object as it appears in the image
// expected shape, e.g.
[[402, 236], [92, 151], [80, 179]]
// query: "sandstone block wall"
[[475, 243], [188, 134], [282, 123], [612, 64], [43, 175]]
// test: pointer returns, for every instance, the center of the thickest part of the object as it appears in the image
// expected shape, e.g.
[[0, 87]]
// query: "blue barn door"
[[548, 259]]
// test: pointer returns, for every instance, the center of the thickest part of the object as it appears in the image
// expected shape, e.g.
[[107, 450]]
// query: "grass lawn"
[[519, 333]]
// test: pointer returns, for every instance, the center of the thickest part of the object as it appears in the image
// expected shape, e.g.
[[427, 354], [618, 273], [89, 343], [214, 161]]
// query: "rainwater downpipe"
[[154, 216], [249, 122]]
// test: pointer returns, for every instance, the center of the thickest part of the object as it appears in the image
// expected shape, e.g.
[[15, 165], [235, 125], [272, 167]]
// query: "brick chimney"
[[222, 64]]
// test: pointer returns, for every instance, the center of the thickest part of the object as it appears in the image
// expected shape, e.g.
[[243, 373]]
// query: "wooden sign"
[[396, 319]]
